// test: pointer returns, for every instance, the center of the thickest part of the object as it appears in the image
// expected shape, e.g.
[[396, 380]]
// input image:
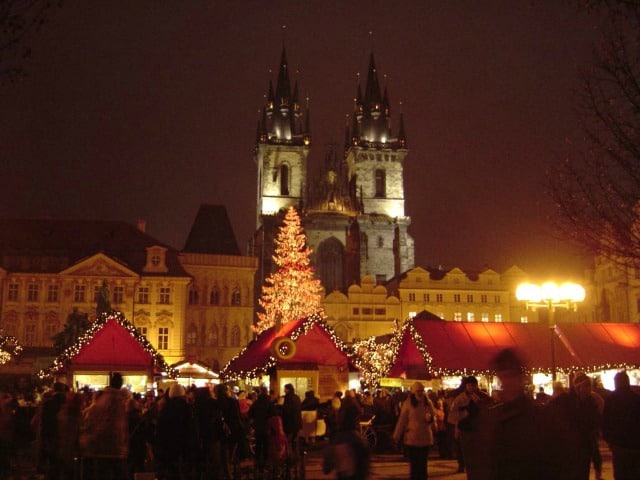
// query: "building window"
[[284, 180], [213, 336], [235, 296], [471, 317], [496, 299], [163, 338], [235, 336], [483, 298], [456, 297], [356, 311], [441, 315], [380, 183], [143, 294], [96, 293], [412, 314], [50, 329], [524, 319], [412, 297], [457, 316], [426, 297], [366, 311], [165, 296], [498, 317], [193, 295], [469, 298], [485, 317], [192, 335], [118, 294], [155, 260], [12, 292], [30, 334], [143, 331], [214, 296], [33, 290], [439, 297], [380, 311], [380, 242], [80, 293], [53, 293]]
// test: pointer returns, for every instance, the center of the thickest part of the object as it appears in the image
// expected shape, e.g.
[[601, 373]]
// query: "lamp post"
[[550, 295]]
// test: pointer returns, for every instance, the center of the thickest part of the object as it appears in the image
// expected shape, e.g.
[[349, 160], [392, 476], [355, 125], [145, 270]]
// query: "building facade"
[[353, 212]]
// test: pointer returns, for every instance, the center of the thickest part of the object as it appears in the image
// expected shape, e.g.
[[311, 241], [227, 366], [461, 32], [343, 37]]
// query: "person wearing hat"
[[414, 430], [522, 441], [463, 415], [577, 412]]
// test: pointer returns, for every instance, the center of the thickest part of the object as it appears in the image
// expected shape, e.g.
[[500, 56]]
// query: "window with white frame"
[[524, 319], [53, 293], [471, 317], [143, 294], [484, 317], [457, 316], [483, 298], [496, 299], [497, 317], [456, 297], [163, 338], [164, 295], [412, 314], [12, 292], [469, 298], [412, 297], [33, 289], [80, 293], [439, 297], [118, 294]]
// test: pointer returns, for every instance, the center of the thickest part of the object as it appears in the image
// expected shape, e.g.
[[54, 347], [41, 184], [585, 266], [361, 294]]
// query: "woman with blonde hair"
[[414, 429]]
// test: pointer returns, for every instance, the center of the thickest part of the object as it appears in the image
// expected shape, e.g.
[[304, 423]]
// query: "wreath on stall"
[[283, 348]]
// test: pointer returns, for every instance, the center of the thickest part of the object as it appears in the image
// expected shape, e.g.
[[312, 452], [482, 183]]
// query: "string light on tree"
[[291, 292]]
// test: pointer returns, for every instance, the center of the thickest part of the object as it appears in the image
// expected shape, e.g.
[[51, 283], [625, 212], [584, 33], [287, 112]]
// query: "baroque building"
[[353, 212]]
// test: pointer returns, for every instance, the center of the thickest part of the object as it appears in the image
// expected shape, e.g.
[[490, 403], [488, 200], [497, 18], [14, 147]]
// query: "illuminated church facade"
[[354, 213]]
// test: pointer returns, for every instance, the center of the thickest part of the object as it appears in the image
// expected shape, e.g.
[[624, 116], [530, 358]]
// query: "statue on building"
[[104, 300], [77, 324]]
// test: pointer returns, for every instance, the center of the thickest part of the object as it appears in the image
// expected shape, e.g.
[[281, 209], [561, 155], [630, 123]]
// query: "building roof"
[[212, 232], [430, 346], [52, 245]]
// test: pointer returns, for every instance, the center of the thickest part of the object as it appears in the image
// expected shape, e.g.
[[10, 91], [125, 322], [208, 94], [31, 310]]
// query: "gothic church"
[[353, 214]]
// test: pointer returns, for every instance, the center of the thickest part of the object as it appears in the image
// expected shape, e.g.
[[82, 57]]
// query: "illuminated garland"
[[266, 337], [409, 328], [375, 358], [63, 359], [9, 348]]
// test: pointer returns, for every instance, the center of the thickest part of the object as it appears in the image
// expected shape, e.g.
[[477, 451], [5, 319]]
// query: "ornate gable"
[[99, 265]]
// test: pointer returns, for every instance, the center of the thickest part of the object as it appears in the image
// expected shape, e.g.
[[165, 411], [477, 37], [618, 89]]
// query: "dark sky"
[[147, 109]]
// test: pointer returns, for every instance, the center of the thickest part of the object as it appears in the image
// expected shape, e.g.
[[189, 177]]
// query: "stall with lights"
[[112, 344], [306, 353]]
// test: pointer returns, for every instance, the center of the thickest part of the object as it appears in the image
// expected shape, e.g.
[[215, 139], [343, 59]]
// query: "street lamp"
[[550, 295]]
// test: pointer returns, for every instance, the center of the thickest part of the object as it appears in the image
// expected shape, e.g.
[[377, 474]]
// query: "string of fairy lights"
[[230, 374], [9, 348], [62, 360]]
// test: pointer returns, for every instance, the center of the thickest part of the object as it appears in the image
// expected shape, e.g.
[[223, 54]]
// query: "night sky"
[[147, 109]]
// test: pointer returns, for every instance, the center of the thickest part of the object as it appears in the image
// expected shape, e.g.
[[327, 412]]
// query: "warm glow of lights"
[[550, 293]]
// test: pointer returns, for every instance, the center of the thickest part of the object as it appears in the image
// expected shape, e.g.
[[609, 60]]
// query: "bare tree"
[[19, 19], [597, 188]]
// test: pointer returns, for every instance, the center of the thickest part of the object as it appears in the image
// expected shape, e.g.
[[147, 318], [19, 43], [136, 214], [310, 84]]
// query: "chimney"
[[142, 225]]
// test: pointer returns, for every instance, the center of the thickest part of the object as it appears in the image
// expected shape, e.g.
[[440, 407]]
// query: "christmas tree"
[[291, 292]]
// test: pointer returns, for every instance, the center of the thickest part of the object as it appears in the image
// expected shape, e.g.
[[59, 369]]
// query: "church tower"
[[375, 159], [282, 146]]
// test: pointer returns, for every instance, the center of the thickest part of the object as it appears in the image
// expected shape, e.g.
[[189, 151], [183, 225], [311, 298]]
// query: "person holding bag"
[[414, 429]]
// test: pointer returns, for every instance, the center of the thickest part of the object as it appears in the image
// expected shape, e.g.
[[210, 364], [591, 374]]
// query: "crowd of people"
[[194, 433]]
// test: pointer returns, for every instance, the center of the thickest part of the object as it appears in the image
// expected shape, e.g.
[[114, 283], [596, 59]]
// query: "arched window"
[[235, 296], [213, 336], [192, 335], [193, 295], [330, 264], [284, 180], [214, 296], [223, 340], [235, 336], [381, 188]]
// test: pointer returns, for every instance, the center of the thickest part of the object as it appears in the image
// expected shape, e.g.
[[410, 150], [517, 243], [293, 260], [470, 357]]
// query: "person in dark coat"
[[291, 412], [51, 405], [621, 428], [174, 428], [522, 441], [310, 401], [259, 412], [234, 440]]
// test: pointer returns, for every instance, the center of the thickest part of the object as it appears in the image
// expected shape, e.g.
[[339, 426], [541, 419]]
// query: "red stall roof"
[[315, 342], [599, 346], [440, 347]]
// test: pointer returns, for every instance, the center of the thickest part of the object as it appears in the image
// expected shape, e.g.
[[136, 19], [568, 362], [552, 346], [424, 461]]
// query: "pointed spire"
[[402, 138], [283, 86], [372, 94]]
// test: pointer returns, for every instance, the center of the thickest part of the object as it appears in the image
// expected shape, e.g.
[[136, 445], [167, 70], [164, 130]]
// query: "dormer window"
[[156, 259]]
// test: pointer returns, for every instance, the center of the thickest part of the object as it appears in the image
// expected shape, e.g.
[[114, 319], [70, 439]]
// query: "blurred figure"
[[69, 421], [414, 430], [522, 441], [174, 428], [291, 412], [310, 402], [621, 428], [260, 412]]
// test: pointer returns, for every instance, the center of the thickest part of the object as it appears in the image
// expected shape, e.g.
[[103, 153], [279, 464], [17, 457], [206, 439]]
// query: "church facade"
[[353, 214]]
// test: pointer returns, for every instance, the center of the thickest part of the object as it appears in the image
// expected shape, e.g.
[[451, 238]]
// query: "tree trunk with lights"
[[597, 189], [291, 292]]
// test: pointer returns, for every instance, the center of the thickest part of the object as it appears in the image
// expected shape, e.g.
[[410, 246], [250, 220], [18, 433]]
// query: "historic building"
[[49, 268], [613, 292], [353, 214], [219, 311]]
